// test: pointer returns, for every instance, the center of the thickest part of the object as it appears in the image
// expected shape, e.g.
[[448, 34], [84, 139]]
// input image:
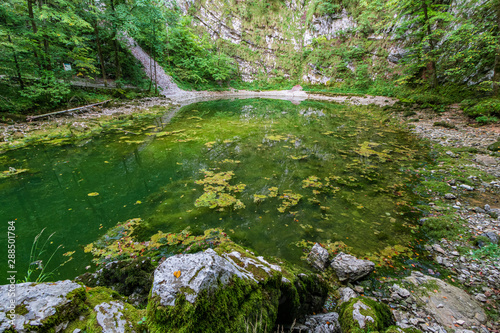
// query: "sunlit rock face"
[[266, 39]]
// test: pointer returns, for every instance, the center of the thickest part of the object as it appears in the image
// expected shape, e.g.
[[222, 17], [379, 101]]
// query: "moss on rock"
[[64, 313], [129, 278], [364, 314], [95, 296], [235, 307]]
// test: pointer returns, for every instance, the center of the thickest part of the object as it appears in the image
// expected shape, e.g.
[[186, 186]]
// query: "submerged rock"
[[318, 257], [348, 267], [42, 306], [446, 303]]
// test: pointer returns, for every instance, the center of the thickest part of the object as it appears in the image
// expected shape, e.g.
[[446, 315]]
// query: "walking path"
[[153, 70]]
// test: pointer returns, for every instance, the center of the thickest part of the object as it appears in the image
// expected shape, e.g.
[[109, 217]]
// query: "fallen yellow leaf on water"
[[138, 202], [93, 194], [177, 274]]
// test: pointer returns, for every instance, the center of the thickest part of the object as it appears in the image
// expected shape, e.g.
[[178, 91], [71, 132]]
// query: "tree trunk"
[[35, 30], [99, 53], [432, 46], [116, 46], [117, 58], [46, 58], [18, 70]]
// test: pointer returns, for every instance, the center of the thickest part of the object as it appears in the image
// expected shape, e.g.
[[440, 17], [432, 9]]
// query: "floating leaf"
[[301, 157], [276, 137], [210, 144], [93, 194], [258, 198]]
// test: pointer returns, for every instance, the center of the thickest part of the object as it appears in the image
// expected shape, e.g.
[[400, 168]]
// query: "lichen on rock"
[[44, 305]]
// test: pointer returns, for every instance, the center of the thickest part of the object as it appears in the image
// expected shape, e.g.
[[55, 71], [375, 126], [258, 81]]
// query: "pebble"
[[450, 196], [467, 187], [438, 248], [481, 298]]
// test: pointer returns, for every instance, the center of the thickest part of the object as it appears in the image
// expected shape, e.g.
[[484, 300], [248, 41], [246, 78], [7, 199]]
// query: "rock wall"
[[293, 39], [267, 39]]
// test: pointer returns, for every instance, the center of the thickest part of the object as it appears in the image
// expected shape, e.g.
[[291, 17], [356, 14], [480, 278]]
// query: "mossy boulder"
[[226, 292], [364, 314], [494, 146], [106, 311]]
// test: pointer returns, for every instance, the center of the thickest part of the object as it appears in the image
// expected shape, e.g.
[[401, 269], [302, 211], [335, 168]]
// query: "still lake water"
[[311, 172]]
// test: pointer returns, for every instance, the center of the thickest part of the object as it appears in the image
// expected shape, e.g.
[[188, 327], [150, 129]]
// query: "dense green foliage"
[[39, 38], [451, 48]]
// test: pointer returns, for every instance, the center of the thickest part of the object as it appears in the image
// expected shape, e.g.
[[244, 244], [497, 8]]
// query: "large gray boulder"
[[318, 257], [448, 304], [233, 291], [42, 306], [191, 274], [348, 267]]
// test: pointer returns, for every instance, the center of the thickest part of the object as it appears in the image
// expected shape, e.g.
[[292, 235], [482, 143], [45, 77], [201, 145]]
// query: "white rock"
[[346, 294], [110, 317], [400, 291], [467, 187], [350, 268]]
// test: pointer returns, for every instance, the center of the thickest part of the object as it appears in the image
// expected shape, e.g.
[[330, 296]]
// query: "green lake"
[[272, 174]]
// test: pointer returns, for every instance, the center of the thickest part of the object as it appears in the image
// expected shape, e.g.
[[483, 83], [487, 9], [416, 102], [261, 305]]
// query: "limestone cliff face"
[[270, 38]]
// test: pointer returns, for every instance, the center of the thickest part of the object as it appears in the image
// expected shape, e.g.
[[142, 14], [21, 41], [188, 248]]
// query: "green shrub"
[[489, 251], [486, 119], [488, 108], [430, 99]]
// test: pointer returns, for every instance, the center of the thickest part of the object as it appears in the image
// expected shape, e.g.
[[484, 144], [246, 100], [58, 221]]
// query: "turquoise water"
[[335, 171]]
